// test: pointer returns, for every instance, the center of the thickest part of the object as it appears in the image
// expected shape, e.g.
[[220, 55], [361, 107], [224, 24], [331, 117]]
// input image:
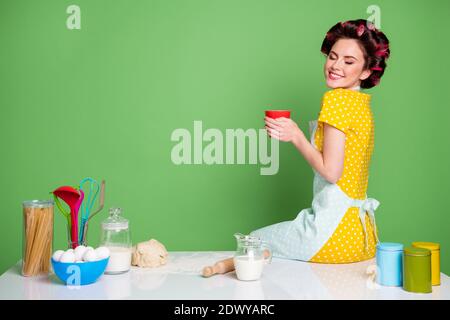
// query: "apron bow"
[[368, 205]]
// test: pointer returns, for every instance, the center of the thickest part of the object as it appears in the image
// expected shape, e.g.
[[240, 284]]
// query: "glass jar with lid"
[[117, 238]]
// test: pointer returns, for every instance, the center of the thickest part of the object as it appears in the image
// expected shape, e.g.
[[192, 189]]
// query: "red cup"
[[274, 114]]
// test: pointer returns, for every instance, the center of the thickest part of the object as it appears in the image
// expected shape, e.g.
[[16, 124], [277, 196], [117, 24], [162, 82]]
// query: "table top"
[[180, 279]]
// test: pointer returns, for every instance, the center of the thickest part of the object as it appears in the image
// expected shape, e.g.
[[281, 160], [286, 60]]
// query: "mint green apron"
[[302, 238]]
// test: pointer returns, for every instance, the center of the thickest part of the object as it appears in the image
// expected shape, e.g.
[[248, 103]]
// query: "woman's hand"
[[329, 163], [283, 129]]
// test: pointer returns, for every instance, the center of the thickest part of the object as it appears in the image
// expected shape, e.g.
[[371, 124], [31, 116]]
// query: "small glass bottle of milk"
[[116, 237]]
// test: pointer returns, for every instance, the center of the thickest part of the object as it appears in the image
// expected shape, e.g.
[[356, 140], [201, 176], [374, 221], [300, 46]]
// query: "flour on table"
[[188, 263]]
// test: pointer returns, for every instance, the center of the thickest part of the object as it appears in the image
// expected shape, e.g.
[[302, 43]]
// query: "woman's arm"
[[329, 163]]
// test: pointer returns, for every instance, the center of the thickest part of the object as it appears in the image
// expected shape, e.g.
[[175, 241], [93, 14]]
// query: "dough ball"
[[150, 253]]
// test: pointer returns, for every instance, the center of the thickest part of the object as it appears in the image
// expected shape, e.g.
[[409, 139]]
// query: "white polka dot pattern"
[[348, 241]]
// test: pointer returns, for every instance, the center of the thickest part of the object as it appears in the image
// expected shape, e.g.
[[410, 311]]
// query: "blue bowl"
[[79, 274]]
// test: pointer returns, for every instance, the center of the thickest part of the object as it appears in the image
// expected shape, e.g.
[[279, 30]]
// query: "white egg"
[[67, 256], [57, 255], [102, 253], [90, 255], [71, 250], [89, 248], [79, 252]]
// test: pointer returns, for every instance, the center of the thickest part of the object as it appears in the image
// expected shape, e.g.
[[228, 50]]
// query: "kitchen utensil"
[[91, 188], [100, 207], [220, 267], [73, 198]]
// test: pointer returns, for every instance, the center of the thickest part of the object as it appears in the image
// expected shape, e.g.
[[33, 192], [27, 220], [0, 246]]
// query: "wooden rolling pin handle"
[[224, 266], [219, 267]]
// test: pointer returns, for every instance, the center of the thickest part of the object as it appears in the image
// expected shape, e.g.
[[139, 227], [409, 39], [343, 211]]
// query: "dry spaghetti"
[[38, 237]]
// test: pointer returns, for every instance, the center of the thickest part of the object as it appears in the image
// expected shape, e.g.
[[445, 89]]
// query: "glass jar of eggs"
[[116, 237]]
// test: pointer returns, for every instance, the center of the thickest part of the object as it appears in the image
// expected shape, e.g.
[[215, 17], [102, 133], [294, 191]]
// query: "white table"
[[180, 279]]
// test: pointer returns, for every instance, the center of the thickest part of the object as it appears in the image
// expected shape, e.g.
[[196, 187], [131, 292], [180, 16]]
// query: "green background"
[[103, 101]]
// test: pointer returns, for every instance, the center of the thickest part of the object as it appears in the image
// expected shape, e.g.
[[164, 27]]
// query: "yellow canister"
[[435, 260]]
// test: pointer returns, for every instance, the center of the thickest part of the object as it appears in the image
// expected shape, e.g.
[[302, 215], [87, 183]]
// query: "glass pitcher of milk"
[[250, 257]]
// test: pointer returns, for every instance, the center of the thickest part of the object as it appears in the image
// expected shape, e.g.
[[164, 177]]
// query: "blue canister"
[[389, 264]]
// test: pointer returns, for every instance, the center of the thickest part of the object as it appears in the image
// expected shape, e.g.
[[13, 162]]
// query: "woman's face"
[[344, 65]]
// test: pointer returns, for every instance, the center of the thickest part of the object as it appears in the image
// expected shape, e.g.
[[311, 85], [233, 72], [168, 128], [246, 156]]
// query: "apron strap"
[[368, 205]]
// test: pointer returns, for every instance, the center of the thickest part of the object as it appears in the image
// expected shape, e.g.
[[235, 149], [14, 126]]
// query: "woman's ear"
[[365, 74]]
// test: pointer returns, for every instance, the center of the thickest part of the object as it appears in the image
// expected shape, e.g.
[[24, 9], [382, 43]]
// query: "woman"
[[340, 227]]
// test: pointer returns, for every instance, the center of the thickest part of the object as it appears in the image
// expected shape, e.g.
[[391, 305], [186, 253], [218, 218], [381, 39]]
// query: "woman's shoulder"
[[343, 95], [346, 93]]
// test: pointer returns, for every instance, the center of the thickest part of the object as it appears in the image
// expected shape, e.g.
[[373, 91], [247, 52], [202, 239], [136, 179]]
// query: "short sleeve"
[[335, 110]]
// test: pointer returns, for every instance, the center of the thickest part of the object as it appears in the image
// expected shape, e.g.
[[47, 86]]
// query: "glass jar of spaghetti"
[[37, 237]]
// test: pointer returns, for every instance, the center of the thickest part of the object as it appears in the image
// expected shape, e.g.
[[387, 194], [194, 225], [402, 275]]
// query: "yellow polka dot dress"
[[349, 111]]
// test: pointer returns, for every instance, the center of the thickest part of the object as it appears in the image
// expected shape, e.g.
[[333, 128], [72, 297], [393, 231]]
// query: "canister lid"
[[390, 246], [115, 221], [418, 252], [427, 245], [38, 203]]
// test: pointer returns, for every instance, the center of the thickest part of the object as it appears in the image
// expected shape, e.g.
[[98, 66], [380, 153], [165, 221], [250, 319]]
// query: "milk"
[[248, 269], [119, 260]]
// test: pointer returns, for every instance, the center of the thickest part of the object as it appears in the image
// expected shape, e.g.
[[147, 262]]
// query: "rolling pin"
[[224, 266], [220, 267]]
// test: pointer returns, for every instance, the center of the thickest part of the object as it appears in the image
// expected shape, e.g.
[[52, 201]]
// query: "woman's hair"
[[373, 43]]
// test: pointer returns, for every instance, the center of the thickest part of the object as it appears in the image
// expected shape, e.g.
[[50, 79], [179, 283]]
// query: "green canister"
[[417, 270]]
